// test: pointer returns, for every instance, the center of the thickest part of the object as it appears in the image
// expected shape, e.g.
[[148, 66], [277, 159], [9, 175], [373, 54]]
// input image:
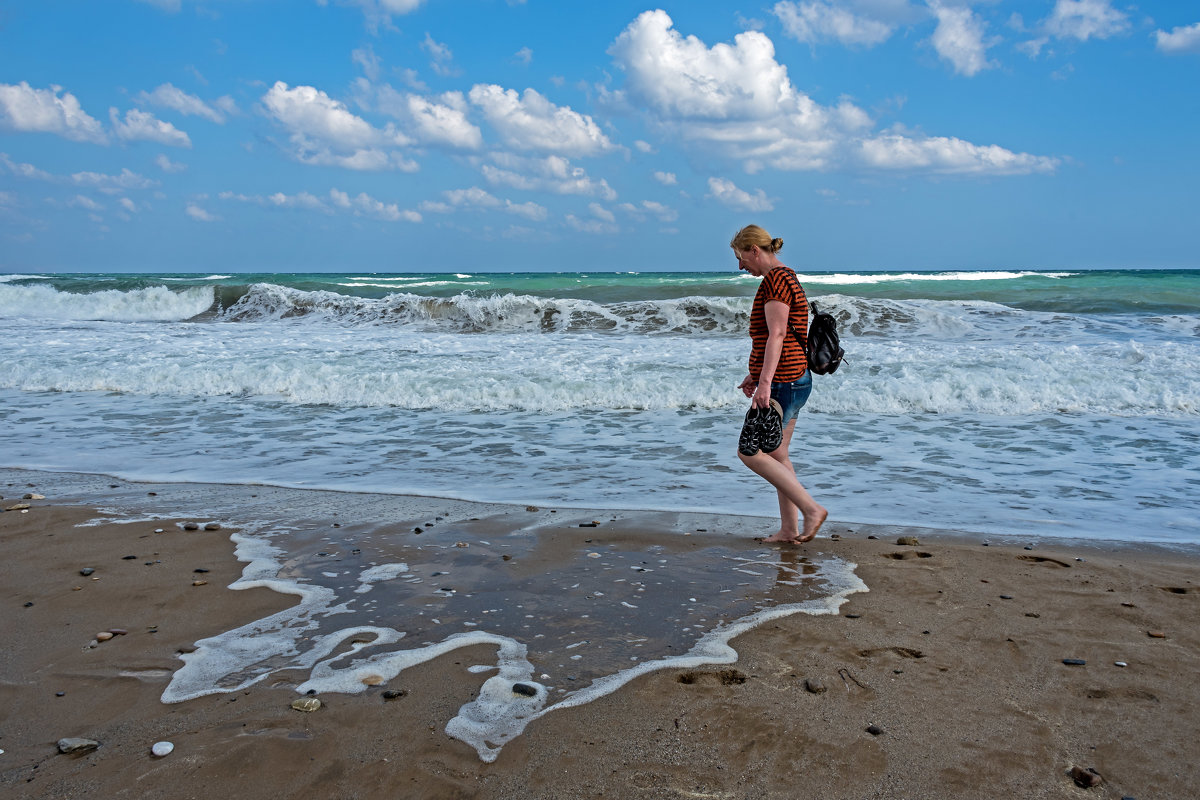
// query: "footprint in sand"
[[904, 555], [1043, 560], [725, 677], [903, 652]]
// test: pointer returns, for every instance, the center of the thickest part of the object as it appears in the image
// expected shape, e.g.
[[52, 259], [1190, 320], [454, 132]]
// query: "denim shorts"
[[792, 396]]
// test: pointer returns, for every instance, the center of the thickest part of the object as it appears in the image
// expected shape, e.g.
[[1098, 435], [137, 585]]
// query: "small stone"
[[373, 680], [158, 530], [35, 497], [506, 557], [200, 570], [593, 555], [416, 530], [532, 508], [103, 636], [814, 686], [392, 694], [60, 694], [1006, 597], [874, 730], [29, 604], [1033, 615], [152, 494], [191, 526], [18, 507], [1120, 664], [525, 690], [1156, 634], [582, 524], [306, 704], [118, 631], [1129, 605], [128, 558], [872, 536], [1028, 547], [161, 749], [1074, 662], [212, 526], [73, 745], [909, 541], [853, 616], [461, 544], [86, 571], [1086, 778], [199, 583]]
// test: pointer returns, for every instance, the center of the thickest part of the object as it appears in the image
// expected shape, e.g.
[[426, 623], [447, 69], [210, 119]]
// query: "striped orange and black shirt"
[[780, 284]]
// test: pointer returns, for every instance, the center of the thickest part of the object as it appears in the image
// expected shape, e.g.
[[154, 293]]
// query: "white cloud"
[[725, 192], [366, 59], [815, 22], [531, 122], [81, 201], [113, 184], [441, 59], [441, 121], [941, 154], [474, 197], [662, 212], [958, 38], [128, 205], [172, 6], [169, 96], [666, 178], [552, 173], [324, 132], [601, 212], [143, 126], [737, 102], [643, 147], [367, 206], [528, 210], [1184, 39], [199, 214], [167, 165], [379, 12], [1084, 19], [23, 108], [524, 55], [24, 170], [595, 226]]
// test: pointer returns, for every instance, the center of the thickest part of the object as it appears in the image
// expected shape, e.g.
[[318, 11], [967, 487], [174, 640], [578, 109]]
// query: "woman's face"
[[750, 260]]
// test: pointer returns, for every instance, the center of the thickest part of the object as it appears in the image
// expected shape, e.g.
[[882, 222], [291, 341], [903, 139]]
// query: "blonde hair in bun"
[[752, 236]]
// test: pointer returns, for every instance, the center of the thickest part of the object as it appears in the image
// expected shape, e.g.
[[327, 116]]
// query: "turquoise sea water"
[[1037, 404]]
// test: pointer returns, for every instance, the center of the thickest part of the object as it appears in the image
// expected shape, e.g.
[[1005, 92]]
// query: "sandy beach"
[[946, 680]]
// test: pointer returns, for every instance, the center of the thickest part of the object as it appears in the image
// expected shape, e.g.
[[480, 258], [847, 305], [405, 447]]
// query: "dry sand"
[[956, 655]]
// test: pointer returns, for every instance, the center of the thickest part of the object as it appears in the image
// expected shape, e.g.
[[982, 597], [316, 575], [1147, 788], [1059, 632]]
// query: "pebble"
[[1006, 597], [161, 749], [1120, 664], [18, 507], [35, 497], [461, 544], [191, 526], [60, 694], [199, 583], [1156, 634], [814, 686], [86, 571], [306, 704], [392, 694], [582, 524], [909, 541], [1086, 778], [531, 508], [524, 689], [128, 558], [72, 745], [104, 636], [212, 526], [1074, 662], [200, 570], [373, 680], [416, 530], [874, 730], [158, 530]]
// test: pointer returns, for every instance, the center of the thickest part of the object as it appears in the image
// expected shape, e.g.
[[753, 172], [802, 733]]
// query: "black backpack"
[[822, 349]]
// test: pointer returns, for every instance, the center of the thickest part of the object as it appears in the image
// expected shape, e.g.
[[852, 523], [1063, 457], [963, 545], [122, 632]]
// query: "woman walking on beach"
[[778, 371]]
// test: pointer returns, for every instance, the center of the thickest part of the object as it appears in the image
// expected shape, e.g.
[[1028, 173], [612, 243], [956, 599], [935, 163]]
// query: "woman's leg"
[[776, 468]]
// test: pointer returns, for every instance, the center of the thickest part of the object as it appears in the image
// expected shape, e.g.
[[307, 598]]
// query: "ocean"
[[1035, 404]]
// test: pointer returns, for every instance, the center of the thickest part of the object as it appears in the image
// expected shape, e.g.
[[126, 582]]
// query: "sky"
[[529, 135]]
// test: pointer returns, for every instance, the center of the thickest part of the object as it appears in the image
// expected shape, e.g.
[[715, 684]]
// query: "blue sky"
[[430, 135]]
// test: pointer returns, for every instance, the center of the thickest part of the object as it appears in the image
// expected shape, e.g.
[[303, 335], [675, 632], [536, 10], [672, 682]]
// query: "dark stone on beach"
[[525, 690], [1074, 662], [86, 571], [588, 525], [113, 486], [128, 558], [29, 604], [201, 570], [392, 694], [1033, 615], [1129, 605], [531, 508], [814, 686], [1086, 778], [1156, 634], [60, 694], [1006, 597], [417, 530], [152, 494], [337, 524], [191, 526], [1028, 547], [872, 536], [853, 616], [212, 526], [910, 541], [73, 745], [874, 730], [506, 557]]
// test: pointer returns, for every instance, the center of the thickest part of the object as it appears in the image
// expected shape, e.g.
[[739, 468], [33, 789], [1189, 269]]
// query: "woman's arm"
[[777, 329]]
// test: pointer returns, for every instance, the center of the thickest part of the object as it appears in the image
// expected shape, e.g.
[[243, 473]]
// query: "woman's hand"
[[761, 397]]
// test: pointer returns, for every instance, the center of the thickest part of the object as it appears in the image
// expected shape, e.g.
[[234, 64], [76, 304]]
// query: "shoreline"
[[978, 633]]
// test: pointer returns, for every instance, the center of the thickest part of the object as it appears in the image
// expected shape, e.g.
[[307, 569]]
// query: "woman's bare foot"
[[780, 537], [812, 524]]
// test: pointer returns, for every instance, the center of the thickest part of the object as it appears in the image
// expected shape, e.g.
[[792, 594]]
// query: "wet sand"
[[955, 656]]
